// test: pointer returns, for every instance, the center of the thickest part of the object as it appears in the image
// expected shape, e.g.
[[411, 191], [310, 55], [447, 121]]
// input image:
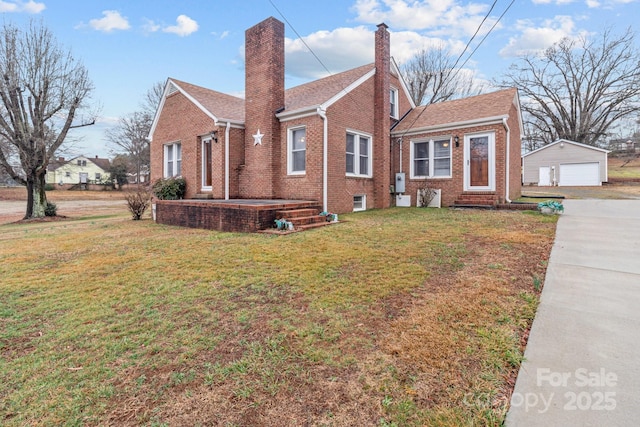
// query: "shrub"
[[49, 187], [170, 188], [138, 202], [51, 209]]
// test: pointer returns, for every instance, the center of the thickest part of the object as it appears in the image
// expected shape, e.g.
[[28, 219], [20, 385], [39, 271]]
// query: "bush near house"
[[170, 188]]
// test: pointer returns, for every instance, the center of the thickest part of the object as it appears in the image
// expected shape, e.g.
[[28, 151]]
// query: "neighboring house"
[[79, 170], [343, 140], [565, 163]]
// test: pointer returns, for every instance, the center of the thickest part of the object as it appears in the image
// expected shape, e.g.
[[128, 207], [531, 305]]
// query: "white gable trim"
[[170, 88], [344, 92], [451, 126], [566, 141], [395, 70]]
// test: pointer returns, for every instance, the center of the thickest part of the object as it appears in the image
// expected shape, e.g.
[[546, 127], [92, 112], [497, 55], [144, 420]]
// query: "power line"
[[470, 55]]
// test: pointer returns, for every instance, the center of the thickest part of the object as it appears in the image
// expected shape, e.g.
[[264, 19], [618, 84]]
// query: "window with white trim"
[[359, 202], [358, 155], [297, 151], [172, 159], [431, 159], [393, 99]]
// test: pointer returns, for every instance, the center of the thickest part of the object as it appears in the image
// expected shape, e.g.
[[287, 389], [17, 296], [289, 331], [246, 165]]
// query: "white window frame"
[[491, 136], [357, 155], [203, 166], [176, 149], [393, 100], [363, 203], [290, 151], [431, 159]]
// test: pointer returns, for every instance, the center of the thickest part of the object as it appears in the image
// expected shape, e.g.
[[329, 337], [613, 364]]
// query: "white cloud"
[[346, 48], [535, 39], [112, 20], [20, 6], [556, 2], [438, 17], [185, 26], [150, 26], [356, 48]]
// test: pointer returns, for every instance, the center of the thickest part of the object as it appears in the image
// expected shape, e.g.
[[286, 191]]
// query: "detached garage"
[[565, 163]]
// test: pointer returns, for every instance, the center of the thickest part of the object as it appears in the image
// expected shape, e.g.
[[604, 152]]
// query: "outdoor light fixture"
[[456, 140], [214, 136]]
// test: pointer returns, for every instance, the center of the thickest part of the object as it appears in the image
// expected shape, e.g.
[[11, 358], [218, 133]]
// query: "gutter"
[[507, 165], [226, 161], [325, 156]]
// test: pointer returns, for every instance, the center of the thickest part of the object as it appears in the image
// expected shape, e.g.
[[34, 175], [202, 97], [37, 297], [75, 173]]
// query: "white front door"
[[84, 177], [544, 176], [479, 161], [206, 164]]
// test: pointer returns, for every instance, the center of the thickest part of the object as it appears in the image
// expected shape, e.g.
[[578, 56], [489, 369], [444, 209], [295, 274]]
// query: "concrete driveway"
[[582, 361]]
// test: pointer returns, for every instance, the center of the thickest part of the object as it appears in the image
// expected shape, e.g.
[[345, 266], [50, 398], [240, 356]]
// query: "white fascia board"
[[233, 123], [164, 97], [405, 89], [313, 109], [344, 92], [451, 126], [285, 116], [566, 141]]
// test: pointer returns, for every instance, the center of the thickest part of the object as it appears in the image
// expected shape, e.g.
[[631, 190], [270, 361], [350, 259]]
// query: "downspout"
[[508, 142], [325, 158], [226, 161]]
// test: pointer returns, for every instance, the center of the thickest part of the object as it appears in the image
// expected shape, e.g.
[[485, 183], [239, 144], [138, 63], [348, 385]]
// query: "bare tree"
[[152, 98], [129, 136], [431, 77], [578, 88], [42, 87]]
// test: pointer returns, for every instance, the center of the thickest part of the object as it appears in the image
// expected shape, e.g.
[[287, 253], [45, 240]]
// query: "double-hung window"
[[358, 155], [431, 159], [393, 99], [172, 160], [297, 151]]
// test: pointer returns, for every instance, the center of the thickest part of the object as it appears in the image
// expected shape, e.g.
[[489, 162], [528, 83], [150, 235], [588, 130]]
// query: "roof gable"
[[566, 141]]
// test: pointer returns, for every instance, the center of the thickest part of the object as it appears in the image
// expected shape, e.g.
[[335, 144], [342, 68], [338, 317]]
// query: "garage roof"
[[566, 141]]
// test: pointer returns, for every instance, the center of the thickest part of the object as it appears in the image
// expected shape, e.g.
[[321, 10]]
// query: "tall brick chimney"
[[382, 119], [264, 95]]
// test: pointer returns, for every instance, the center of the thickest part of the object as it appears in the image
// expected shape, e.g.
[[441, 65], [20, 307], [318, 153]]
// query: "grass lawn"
[[397, 317], [624, 167]]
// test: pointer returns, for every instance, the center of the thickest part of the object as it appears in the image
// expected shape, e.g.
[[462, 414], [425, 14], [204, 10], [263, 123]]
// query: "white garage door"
[[580, 174]]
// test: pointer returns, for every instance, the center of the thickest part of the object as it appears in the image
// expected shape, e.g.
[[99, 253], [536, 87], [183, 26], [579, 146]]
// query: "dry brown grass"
[[394, 317]]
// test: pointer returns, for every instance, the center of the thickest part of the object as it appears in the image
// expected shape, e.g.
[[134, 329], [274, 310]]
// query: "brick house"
[[340, 141]]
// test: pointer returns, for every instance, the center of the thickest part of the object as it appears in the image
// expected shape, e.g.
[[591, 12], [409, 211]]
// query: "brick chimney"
[[264, 95], [382, 119]]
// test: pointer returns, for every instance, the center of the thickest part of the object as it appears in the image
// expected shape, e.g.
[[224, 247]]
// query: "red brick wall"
[[264, 95], [355, 113], [180, 121], [454, 186], [515, 179], [307, 186], [382, 112]]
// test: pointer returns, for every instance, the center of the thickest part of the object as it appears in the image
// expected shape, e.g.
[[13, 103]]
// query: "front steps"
[[477, 199], [303, 219]]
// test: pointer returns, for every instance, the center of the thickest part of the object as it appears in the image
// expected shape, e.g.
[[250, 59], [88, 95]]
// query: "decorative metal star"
[[257, 138]]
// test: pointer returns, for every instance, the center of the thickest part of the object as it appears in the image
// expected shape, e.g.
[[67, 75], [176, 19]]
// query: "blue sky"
[[129, 45]]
